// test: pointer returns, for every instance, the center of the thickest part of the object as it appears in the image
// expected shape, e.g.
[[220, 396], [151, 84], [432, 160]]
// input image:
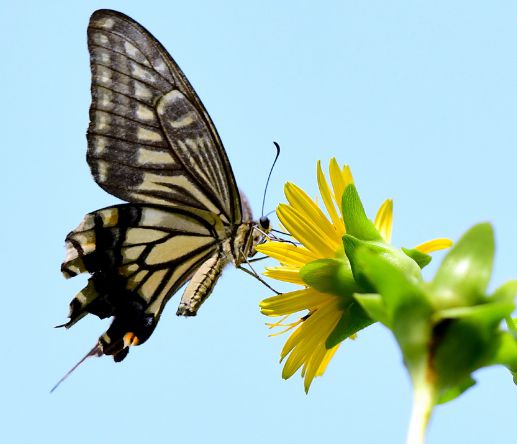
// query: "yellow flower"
[[318, 236]]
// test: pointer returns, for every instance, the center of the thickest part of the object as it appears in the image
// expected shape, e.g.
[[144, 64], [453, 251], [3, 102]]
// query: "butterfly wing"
[[150, 139], [138, 256]]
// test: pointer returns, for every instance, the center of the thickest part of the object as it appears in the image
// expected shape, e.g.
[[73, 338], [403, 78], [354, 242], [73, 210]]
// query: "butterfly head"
[[259, 233]]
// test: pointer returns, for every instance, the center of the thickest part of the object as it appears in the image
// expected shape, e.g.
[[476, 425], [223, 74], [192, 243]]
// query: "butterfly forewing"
[[150, 140]]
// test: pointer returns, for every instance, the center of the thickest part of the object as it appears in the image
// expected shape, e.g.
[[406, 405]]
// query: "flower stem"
[[424, 398]]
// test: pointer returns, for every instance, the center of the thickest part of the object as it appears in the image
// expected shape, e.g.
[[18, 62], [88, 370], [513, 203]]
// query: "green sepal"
[[354, 319], [465, 272], [448, 328], [356, 222], [422, 259], [373, 304], [351, 245], [406, 304], [330, 276], [335, 276], [453, 392], [390, 254]]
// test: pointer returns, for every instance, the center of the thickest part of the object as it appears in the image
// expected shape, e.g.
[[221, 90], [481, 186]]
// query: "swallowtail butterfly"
[[152, 144]]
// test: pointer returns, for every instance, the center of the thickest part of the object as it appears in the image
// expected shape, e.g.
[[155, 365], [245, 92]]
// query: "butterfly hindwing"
[[138, 256], [150, 139]]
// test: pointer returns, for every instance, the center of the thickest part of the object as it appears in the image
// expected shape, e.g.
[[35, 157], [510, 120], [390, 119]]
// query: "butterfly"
[[152, 144]]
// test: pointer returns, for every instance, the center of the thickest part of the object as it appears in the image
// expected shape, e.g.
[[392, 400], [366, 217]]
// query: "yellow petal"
[[304, 205], [287, 253], [338, 182], [328, 202], [317, 326], [434, 245], [286, 274], [325, 361], [312, 365], [347, 175], [299, 331], [384, 220], [317, 364], [301, 354], [293, 302], [307, 338], [316, 240]]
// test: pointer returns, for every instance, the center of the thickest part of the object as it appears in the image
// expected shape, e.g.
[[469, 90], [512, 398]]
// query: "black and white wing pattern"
[[138, 256], [152, 144], [150, 139]]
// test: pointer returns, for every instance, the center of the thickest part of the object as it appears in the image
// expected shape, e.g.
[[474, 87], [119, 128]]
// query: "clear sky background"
[[420, 98]]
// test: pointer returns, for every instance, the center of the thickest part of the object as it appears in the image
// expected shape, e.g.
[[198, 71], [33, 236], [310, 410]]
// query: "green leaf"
[[465, 340], [465, 272], [512, 326], [457, 349], [420, 258], [356, 222], [354, 319], [507, 353], [453, 392], [506, 292], [489, 314], [330, 276]]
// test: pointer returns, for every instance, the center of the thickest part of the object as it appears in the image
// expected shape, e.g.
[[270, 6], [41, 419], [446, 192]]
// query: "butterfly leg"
[[256, 259], [257, 276]]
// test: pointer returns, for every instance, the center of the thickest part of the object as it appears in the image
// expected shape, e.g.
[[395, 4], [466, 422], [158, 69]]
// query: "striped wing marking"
[[150, 139], [138, 257]]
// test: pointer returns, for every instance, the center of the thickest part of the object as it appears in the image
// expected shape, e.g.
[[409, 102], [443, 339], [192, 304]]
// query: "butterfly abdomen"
[[202, 284]]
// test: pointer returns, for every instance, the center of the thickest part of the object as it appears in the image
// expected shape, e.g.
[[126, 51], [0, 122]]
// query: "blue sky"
[[418, 97]]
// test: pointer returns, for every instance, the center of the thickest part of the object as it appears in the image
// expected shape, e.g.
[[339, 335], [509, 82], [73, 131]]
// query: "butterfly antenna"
[[277, 146], [280, 232], [95, 351]]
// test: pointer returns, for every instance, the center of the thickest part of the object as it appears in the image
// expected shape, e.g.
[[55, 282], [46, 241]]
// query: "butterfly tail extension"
[[95, 351]]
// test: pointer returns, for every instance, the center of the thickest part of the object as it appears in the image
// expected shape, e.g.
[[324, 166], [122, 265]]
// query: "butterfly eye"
[[265, 224]]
